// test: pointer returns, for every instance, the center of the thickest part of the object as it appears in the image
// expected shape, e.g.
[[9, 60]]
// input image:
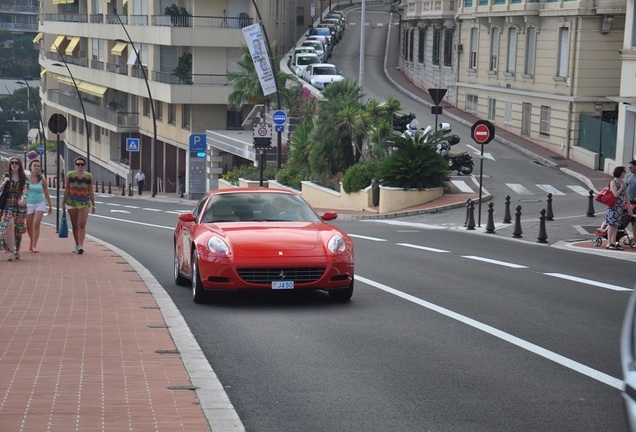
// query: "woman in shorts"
[[37, 202], [80, 199]]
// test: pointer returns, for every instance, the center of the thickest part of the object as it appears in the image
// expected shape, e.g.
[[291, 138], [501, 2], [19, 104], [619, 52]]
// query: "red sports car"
[[260, 239]]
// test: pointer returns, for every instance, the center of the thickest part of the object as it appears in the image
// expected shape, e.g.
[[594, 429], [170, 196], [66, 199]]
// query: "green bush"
[[250, 172], [292, 174], [358, 176]]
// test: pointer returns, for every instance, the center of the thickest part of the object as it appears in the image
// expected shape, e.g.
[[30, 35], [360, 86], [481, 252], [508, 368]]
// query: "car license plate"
[[282, 284]]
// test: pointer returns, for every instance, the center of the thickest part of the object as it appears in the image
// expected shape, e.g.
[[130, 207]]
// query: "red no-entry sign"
[[482, 132]]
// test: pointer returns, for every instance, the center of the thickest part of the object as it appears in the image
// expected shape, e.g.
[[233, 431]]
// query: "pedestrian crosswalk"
[[464, 186]]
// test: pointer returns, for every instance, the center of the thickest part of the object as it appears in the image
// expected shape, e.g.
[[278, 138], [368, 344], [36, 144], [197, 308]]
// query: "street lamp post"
[[153, 150], [34, 102], [86, 127]]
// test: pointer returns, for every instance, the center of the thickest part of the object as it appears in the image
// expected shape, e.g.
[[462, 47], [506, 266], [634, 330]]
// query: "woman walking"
[[36, 203], [79, 196], [14, 214], [615, 214]]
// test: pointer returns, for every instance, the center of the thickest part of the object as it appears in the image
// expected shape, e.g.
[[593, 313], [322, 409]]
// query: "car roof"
[[305, 54]]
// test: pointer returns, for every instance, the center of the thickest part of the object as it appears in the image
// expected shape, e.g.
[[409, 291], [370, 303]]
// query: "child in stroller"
[[601, 232]]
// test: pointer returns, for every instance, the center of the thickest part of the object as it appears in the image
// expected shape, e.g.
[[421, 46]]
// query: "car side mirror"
[[187, 217], [329, 215]]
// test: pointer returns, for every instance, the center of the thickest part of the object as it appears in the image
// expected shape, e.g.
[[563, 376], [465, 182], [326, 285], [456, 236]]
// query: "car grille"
[[267, 275]]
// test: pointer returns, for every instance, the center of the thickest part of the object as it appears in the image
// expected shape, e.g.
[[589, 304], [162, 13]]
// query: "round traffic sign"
[[483, 131], [41, 149], [57, 123], [262, 131], [279, 117]]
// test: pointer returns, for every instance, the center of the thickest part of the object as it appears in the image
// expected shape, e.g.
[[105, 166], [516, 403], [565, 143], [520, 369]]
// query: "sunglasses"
[[80, 164], [15, 163]]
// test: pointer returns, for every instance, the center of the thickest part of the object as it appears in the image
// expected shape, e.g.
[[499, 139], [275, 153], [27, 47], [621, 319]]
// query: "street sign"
[[41, 149], [197, 143], [437, 95], [482, 131], [279, 117], [132, 144], [263, 130], [57, 123], [280, 128]]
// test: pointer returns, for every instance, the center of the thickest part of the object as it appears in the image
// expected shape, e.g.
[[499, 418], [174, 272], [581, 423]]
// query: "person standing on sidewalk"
[[140, 177], [36, 203], [615, 214], [79, 196], [12, 224], [630, 181]]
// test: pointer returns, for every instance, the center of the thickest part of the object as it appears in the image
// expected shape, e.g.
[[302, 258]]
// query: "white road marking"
[[119, 211], [519, 189], [430, 249], [151, 209], [367, 238], [462, 186], [492, 261], [478, 153], [588, 282], [404, 223], [580, 190], [507, 337], [132, 222], [550, 189], [131, 206]]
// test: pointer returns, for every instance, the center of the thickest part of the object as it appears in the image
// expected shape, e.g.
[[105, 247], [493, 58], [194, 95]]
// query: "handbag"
[[63, 231], [606, 196], [4, 193]]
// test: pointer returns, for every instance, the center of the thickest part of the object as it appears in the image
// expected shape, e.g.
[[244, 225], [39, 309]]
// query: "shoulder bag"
[[63, 231], [606, 196]]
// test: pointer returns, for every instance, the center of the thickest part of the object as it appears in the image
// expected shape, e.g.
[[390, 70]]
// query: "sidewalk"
[[89, 344]]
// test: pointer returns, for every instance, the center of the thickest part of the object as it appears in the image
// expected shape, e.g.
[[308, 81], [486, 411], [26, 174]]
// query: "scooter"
[[462, 162], [401, 121]]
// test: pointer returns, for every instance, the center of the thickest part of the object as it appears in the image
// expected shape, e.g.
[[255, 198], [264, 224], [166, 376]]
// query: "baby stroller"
[[601, 232]]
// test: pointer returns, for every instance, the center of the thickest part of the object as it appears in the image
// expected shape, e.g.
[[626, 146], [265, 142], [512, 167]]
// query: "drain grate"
[[167, 351], [157, 326], [183, 387], [150, 307], [143, 292]]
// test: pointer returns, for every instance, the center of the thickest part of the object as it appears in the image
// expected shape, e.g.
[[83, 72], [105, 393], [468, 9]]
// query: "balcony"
[[156, 20], [192, 79], [125, 120]]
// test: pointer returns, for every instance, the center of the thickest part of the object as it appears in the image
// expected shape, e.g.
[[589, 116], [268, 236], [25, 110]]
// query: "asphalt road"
[[451, 332]]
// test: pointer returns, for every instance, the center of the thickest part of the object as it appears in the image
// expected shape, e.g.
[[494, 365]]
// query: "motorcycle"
[[401, 121], [462, 162]]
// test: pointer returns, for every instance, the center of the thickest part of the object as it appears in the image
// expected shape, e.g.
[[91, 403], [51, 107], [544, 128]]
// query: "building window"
[[508, 113], [526, 113], [405, 44], [158, 110], [448, 48], [81, 127], [512, 49], [73, 123], [564, 48], [492, 108], [494, 49], [544, 124], [185, 117], [471, 103], [172, 114], [437, 34], [98, 133], [411, 44], [474, 41], [531, 41], [146, 107], [420, 46]]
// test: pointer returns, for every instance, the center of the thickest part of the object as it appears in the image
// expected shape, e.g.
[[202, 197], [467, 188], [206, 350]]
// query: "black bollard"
[[54, 183], [543, 236], [590, 205], [507, 218], [123, 188], [96, 186], [103, 190], [470, 225], [49, 182], [490, 225], [549, 215], [110, 191], [516, 232], [468, 201], [130, 189], [181, 188]]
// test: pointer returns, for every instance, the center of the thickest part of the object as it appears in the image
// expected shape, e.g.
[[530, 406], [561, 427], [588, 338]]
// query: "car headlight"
[[336, 244], [218, 246]]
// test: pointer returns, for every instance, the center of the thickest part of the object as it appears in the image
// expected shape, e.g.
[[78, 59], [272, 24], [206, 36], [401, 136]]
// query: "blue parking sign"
[[280, 128], [197, 143]]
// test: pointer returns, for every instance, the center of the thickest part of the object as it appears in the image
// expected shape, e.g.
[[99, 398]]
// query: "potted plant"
[[183, 71], [178, 15]]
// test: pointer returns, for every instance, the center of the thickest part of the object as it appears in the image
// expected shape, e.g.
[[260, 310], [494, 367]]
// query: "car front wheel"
[[341, 294], [178, 278]]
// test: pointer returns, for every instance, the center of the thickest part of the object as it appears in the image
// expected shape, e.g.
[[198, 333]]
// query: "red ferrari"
[[260, 239]]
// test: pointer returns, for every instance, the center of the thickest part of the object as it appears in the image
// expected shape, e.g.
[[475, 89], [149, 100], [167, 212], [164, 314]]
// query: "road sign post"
[[482, 133], [437, 95]]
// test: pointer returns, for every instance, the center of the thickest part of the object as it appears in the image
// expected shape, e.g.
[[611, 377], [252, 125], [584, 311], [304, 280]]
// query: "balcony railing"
[[19, 26], [117, 68], [19, 9], [157, 20], [78, 61], [115, 118], [192, 79]]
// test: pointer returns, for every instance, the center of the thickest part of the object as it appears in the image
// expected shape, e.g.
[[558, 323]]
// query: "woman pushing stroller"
[[615, 213]]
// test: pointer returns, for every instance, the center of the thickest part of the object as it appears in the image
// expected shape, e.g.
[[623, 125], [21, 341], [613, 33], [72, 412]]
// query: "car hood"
[[278, 236], [327, 78]]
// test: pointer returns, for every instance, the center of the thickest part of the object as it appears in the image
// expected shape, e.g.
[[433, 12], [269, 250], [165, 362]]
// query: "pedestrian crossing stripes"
[[525, 190]]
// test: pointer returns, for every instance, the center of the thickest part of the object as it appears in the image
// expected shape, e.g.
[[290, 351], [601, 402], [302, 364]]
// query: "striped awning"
[[92, 89]]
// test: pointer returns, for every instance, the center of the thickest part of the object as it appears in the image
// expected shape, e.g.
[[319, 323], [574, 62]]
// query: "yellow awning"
[[65, 80], [38, 38], [92, 89], [58, 43], [42, 73], [118, 49], [75, 40], [56, 2]]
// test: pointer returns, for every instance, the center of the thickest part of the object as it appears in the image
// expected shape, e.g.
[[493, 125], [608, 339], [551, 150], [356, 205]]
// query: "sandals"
[[616, 246]]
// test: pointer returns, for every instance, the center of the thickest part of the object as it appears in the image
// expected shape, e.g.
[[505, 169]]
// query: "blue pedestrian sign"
[[41, 149], [197, 143], [280, 128], [132, 144], [279, 117]]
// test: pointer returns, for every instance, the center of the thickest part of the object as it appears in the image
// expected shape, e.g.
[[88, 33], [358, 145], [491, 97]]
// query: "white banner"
[[256, 44]]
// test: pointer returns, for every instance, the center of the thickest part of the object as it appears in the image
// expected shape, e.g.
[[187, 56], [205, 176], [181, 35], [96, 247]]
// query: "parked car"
[[322, 31], [303, 50], [260, 239], [318, 46], [325, 42], [333, 28], [321, 75], [300, 61], [628, 360], [341, 18]]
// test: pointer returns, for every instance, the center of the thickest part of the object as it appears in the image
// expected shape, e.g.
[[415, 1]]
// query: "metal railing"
[[156, 20], [115, 118], [192, 79]]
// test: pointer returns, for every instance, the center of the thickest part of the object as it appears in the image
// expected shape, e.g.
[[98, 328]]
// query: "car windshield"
[[257, 207], [326, 70], [307, 60]]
